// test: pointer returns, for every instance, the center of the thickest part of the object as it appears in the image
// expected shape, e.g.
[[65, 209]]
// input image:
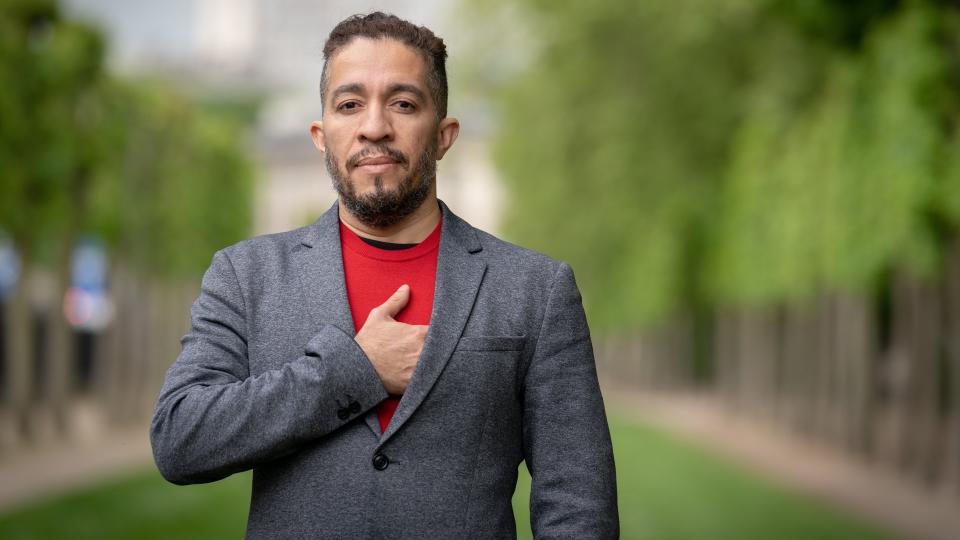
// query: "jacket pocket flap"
[[491, 343]]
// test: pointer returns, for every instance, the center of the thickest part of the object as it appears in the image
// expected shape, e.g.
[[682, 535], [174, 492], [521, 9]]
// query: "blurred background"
[[760, 199]]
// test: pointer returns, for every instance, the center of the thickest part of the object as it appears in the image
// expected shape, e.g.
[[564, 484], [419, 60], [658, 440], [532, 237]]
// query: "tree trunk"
[[59, 383], [108, 370], [798, 362], [952, 350], [758, 350], [917, 318], [20, 381], [855, 353], [725, 347], [19, 356], [126, 345]]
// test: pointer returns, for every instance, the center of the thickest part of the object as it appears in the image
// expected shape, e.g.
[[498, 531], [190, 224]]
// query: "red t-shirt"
[[373, 274]]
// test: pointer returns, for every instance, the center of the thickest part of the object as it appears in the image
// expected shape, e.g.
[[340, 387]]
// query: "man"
[[385, 370]]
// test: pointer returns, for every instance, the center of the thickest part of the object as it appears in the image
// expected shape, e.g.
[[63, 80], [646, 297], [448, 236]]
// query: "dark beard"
[[382, 208]]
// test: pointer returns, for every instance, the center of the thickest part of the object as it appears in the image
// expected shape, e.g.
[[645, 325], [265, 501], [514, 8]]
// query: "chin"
[[369, 185]]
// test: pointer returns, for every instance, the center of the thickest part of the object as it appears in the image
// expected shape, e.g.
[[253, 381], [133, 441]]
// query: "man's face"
[[380, 130]]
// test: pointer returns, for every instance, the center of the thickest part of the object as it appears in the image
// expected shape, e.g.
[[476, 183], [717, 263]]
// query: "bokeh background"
[[760, 199]]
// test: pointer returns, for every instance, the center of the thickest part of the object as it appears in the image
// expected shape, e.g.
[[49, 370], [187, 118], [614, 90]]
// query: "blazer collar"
[[326, 230], [320, 265], [459, 274]]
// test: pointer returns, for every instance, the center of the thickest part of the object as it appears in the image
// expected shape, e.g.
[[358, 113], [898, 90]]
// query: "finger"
[[418, 330], [397, 301]]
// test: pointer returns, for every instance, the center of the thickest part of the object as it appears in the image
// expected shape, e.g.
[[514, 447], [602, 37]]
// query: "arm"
[[566, 439], [213, 419]]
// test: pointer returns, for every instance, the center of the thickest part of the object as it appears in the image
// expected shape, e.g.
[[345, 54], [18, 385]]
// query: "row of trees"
[[759, 196], [733, 152], [159, 176]]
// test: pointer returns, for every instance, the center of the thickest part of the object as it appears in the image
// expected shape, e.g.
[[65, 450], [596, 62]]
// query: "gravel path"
[[874, 494], [33, 474], [30, 475]]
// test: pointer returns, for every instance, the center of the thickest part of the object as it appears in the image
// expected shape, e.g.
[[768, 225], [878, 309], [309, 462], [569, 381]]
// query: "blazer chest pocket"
[[491, 343]]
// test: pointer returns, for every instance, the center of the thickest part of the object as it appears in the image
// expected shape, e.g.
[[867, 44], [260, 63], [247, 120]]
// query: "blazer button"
[[380, 461], [354, 408], [343, 414]]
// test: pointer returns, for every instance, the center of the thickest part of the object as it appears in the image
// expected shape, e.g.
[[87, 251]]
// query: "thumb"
[[397, 301]]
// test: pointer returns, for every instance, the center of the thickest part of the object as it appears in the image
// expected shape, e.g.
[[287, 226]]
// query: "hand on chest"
[[373, 274]]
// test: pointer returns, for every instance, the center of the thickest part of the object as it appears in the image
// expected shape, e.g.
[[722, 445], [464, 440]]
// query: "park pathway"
[[874, 495], [32, 475]]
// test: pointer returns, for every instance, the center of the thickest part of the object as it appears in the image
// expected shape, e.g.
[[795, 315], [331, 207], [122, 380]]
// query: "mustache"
[[377, 150]]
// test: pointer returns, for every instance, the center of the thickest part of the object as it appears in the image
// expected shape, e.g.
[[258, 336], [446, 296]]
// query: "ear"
[[446, 135], [316, 133]]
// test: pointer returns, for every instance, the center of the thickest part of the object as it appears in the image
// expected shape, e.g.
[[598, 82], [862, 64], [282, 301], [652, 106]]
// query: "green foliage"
[[49, 69], [686, 153], [180, 183], [948, 186], [163, 178], [830, 193], [840, 22], [611, 143]]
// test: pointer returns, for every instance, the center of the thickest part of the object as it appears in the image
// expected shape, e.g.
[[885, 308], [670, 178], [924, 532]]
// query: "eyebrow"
[[357, 88], [351, 88], [409, 88]]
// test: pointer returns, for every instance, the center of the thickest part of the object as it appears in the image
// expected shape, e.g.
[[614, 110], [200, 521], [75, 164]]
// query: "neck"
[[413, 229]]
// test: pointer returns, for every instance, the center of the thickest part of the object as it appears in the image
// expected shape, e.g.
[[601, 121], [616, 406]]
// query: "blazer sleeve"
[[213, 419], [566, 439]]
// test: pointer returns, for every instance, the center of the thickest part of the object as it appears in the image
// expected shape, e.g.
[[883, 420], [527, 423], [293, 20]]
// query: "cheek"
[[337, 136], [426, 142], [342, 154]]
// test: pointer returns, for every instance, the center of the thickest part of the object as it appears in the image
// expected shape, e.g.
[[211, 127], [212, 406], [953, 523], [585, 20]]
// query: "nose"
[[376, 126]]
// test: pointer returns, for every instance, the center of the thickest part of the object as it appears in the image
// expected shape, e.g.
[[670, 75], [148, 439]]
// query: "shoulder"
[[501, 252], [515, 270], [494, 250], [267, 244], [264, 253], [531, 270]]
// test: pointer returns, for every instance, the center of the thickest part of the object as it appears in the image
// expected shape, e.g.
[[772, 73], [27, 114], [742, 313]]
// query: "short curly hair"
[[379, 25]]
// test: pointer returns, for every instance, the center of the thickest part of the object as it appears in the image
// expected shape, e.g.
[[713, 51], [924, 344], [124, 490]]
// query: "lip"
[[377, 160], [376, 164]]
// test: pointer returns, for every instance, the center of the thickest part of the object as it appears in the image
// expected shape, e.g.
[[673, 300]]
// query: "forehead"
[[373, 62]]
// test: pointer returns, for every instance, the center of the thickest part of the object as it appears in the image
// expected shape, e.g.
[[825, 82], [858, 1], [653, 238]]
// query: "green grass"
[[668, 490], [142, 507]]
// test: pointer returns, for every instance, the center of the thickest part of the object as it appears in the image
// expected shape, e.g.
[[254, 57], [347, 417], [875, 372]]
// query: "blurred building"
[[274, 49]]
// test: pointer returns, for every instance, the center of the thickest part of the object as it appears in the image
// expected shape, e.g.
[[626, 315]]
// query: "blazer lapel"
[[320, 265], [459, 273]]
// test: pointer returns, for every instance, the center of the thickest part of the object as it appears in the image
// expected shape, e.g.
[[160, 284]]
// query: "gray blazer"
[[270, 379]]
